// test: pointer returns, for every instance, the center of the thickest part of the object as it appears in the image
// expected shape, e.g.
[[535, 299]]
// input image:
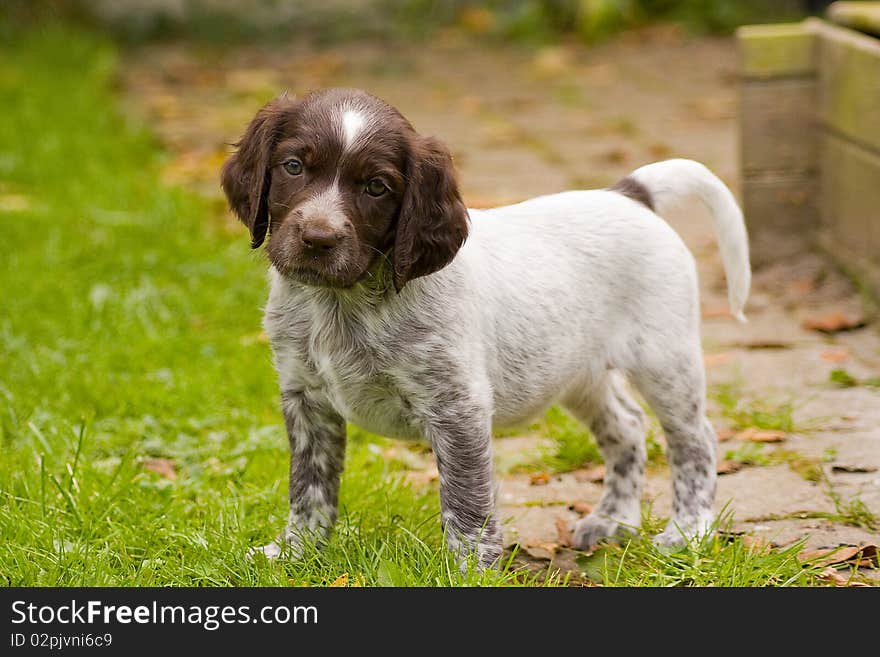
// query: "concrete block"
[[768, 51], [849, 84], [777, 125], [850, 196]]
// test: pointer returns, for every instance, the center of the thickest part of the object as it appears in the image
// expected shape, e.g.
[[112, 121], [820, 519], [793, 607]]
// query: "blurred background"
[[531, 96]]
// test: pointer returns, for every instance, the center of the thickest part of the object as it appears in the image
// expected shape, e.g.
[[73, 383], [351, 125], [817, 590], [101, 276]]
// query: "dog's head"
[[339, 178]]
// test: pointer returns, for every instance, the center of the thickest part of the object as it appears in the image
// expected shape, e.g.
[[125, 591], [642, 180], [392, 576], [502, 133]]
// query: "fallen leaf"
[[563, 532], [660, 151], [582, 508], [713, 312], [842, 467], [835, 355], [342, 580], [715, 108], [710, 360], [756, 544], [539, 479], [763, 344], [728, 467], [857, 555], [160, 466], [725, 434], [755, 435], [833, 322], [421, 478], [802, 286], [616, 155], [477, 19], [544, 551], [834, 577], [593, 475]]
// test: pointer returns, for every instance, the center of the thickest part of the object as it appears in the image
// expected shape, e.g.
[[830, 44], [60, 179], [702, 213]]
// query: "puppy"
[[394, 307]]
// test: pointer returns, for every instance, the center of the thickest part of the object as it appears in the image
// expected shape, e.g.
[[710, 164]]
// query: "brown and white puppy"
[[394, 307]]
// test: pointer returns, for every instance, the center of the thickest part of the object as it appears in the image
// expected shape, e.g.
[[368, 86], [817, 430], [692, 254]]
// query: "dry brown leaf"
[[728, 467], [715, 108], [563, 532], [477, 19], [539, 479], [544, 551], [713, 312], [594, 475], [763, 344], [616, 155], [725, 434], [710, 360], [858, 555], [833, 322], [421, 478], [834, 577], [581, 507], [160, 466], [756, 544], [802, 286], [659, 150], [844, 467], [342, 580], [756, 435], [835, 355]]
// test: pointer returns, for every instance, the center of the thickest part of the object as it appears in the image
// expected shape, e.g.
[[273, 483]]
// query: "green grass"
[[742, 412], [128, 331], [719, 560]]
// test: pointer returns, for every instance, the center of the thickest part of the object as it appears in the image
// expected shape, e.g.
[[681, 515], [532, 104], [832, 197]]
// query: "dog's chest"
[[353, 362]]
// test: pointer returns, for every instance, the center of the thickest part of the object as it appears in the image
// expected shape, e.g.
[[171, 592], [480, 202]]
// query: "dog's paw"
[[270, 551], [274, 550], [594, 528], [678, 535]]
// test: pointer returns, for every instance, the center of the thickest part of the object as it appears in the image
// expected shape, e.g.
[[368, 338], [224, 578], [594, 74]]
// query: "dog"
[[394, 307]]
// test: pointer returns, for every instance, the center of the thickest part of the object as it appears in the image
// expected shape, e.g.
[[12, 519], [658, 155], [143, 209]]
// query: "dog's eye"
[[293, 167], [376, 187]]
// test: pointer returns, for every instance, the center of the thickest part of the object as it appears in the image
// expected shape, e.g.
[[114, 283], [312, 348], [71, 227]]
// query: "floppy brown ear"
[[433, 221], [245, 175]]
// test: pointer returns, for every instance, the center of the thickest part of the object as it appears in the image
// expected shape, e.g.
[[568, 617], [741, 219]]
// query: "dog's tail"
[[671, 181]]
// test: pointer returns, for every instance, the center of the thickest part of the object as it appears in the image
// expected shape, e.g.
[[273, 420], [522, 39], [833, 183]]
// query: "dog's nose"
[[320, 239]]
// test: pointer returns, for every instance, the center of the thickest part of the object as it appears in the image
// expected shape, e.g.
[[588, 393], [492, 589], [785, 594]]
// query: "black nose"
[[320, 239]]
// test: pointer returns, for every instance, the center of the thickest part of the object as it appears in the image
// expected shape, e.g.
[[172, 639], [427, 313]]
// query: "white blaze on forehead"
[[352, 122]]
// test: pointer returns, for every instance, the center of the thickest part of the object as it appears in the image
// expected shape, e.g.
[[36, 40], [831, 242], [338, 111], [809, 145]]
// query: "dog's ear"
[[433, 220], [245, 176]]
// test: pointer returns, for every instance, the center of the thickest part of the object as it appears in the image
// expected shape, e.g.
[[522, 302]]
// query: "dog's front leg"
[[316, 434], [463, 448]]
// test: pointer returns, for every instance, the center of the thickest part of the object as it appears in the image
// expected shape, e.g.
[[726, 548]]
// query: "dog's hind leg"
[[672, 381], [618, 424]]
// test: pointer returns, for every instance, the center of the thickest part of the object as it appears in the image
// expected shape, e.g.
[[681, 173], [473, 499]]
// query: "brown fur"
[[420, 222]]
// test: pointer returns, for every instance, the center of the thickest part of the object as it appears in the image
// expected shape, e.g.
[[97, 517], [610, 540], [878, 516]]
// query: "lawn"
[[141, 442]]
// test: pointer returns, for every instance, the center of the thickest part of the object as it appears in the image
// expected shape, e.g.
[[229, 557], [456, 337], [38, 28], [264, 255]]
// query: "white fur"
[[673, 180], [352, 123]]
